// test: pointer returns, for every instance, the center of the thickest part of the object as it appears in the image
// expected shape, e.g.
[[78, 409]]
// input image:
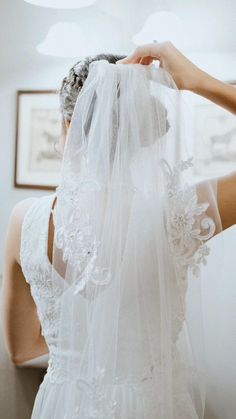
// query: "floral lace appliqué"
[[188, 225], [75, 235]]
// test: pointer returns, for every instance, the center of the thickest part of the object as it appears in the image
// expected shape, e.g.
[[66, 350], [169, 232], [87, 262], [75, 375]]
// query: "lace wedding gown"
[[55, 388]]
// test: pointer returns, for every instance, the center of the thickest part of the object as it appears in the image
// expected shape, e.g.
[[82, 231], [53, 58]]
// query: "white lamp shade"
[[65, 39], [94, 34], [62, 4], [160, 27]]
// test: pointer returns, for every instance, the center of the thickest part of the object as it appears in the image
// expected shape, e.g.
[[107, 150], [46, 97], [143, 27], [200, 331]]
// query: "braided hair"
[[73, 83]]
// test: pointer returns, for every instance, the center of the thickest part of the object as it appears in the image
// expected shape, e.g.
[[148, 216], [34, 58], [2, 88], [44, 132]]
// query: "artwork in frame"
[[38, 131], [215, 140]]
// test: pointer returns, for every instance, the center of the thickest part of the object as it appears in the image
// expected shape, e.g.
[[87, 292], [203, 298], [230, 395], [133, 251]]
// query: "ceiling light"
[[62, 4], [96, 33], [160, 27], [65, 39]]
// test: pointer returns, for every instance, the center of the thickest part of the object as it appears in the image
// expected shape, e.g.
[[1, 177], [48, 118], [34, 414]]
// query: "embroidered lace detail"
[[188, 225], [188, 228], [77, 238], [37, 268]]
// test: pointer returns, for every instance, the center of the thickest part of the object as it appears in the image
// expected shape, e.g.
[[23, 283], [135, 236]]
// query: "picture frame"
[[214, 140], [38, 130]]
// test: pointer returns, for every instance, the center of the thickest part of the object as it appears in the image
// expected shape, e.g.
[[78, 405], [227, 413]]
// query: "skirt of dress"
[[53, 402]]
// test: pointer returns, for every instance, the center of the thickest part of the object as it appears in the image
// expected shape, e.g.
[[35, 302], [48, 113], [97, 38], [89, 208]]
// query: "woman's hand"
[[186, 75], [183, 71]]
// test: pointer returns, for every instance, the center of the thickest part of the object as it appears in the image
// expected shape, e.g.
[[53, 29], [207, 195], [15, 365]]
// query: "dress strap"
[[34, 237]]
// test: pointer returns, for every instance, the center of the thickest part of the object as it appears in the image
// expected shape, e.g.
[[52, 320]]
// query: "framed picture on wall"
[[214, 140], [38, 131]]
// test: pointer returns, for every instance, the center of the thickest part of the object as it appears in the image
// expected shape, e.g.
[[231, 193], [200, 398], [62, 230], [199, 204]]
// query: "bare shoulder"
[[17, 215], [20, 209]]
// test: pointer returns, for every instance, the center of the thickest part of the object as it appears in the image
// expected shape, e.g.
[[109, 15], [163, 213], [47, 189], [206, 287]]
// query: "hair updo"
[[73, 83]]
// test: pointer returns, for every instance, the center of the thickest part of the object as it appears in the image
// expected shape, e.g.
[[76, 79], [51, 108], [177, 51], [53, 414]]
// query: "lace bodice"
[[184, 232], [37, 268]]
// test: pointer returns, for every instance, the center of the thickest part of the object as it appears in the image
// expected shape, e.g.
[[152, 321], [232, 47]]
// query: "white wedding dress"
[[115, 318], [54, 389]]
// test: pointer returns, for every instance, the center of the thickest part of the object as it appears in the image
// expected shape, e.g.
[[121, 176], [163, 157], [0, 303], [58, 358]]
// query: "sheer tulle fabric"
[[130, 239]]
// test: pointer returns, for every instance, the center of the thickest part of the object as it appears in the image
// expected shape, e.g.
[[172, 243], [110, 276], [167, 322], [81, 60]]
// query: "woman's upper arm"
[[226, 198], [21, 324], [221, 196]]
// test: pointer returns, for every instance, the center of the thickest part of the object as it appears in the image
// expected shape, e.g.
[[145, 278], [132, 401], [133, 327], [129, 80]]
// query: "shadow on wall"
[[18, 387]]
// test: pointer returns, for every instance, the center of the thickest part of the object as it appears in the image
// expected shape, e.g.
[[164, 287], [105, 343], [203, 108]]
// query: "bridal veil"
[[131, 232]]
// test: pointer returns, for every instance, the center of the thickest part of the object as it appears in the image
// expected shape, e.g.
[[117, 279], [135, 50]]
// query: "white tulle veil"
[[131, 235]]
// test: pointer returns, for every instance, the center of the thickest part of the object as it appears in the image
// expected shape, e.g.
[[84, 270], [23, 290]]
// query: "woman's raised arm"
[[186, 75]]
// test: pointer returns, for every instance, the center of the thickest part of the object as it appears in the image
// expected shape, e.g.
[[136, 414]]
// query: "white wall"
[[219, 306]]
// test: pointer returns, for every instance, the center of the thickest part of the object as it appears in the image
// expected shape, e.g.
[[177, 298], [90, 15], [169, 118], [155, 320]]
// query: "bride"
[[104, 273]]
